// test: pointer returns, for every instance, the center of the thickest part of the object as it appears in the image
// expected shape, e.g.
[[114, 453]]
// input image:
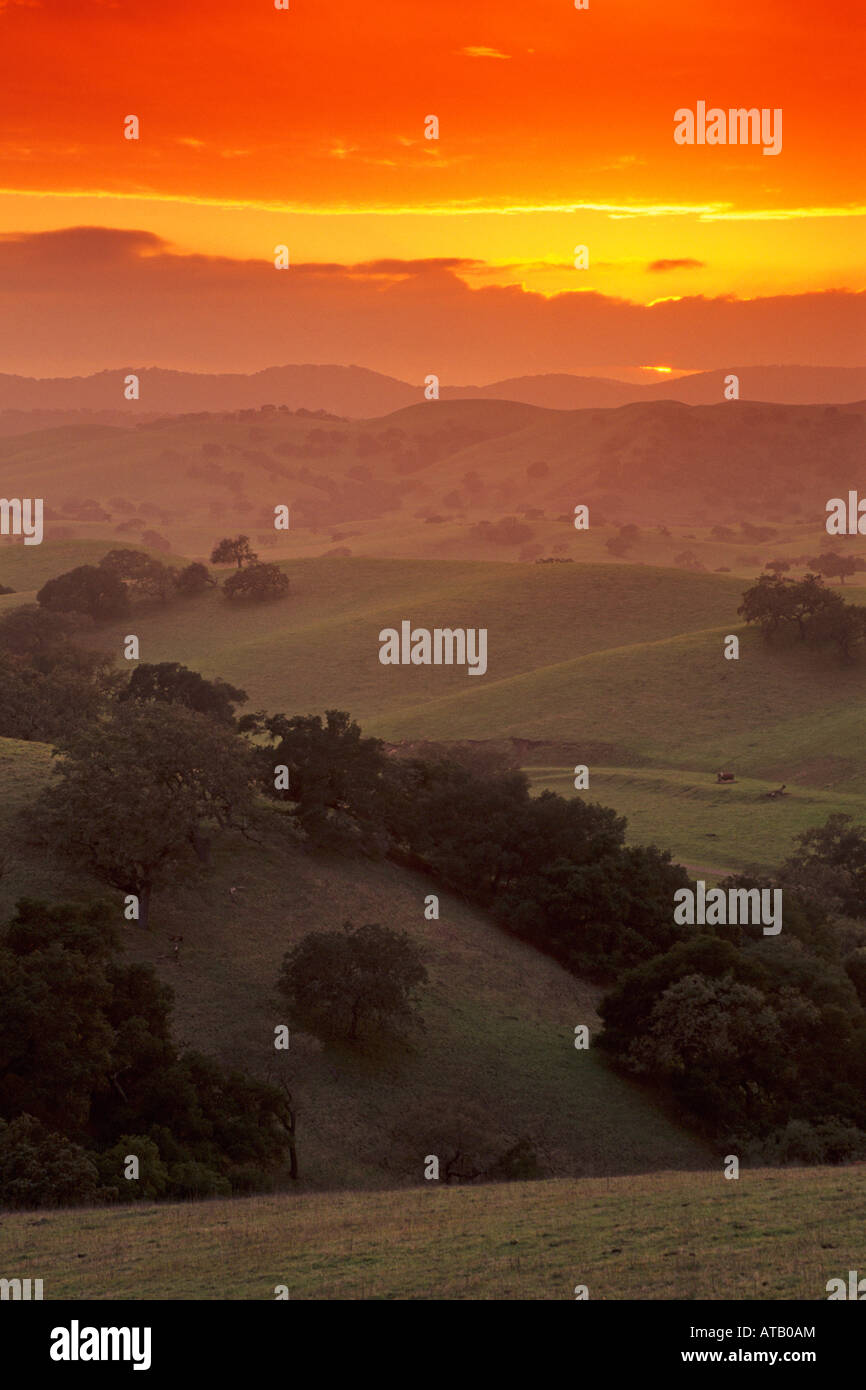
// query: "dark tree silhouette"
[[258, 582], [233, 550]]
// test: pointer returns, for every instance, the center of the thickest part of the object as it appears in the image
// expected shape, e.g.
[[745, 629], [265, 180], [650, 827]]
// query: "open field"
[[772, 1234], [729, 827]]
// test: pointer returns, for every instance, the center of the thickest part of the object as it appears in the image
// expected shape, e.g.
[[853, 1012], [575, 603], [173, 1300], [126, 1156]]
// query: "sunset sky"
[[306, 127]]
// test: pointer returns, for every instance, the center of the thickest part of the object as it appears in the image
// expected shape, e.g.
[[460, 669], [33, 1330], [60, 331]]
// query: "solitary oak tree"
[[233, 550], [363, 979]]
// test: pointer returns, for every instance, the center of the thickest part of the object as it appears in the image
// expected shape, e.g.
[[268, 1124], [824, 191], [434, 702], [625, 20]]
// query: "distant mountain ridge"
[[359, 393]]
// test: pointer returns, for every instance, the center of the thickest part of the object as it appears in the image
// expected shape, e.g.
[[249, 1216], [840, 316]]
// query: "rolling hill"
[[623, 657], [620, 667], [428, 474]]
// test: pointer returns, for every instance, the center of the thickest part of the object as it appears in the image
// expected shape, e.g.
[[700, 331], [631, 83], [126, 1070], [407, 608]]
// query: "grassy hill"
[[321, 645], [617, 666], [772, 1234], [708, 827], [496, 1060], [780, 714], [602, 657], [25, 568]]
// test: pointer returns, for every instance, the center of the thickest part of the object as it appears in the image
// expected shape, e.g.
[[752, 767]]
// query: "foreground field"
[[772, 1234]]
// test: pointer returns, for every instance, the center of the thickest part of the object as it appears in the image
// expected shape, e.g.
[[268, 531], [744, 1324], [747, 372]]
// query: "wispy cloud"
[[470, 207], [782, 214], [683, 263], [477, 51]]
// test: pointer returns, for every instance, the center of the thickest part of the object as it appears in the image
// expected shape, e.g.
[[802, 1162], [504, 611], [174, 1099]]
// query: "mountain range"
[[356, 392]]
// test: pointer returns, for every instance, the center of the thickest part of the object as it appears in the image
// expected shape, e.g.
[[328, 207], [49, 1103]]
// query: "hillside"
[[784, 715], [421, 480], [495, 1062], [622, 661], [773, 1234], [322, 643]]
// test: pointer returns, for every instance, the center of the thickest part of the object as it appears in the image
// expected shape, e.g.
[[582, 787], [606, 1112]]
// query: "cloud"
[[455, 207], [480, 52], [417, 267], [686, 263], [85, 298]]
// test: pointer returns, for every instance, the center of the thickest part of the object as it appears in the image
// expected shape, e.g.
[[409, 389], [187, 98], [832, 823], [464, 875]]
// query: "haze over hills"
[[357, 392], [453, 463]]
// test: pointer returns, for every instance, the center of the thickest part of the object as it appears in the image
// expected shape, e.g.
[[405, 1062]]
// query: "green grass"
[[26, 568], [321, 644], [497, 1052], [618, 657], [707, 826], [615, 655], [783, 714], [771, 1234]]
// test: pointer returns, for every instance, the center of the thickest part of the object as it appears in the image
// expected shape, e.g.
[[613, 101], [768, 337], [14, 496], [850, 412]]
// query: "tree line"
[[106, 591]]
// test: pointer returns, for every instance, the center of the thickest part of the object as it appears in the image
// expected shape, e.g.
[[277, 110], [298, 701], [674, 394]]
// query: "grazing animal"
[[725, 777], [780, 791]]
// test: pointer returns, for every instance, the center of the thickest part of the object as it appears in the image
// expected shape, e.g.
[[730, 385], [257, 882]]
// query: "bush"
[[192, 1179], [87, 1058], [41, 1169], [828, 1141], [152, 1181]]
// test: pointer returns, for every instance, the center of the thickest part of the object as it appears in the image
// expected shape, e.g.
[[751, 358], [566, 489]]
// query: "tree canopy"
[[233, 550], [362, 981], [258, 582], [135, 793]]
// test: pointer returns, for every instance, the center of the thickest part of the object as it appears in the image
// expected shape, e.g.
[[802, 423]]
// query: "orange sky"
[[306, 127]]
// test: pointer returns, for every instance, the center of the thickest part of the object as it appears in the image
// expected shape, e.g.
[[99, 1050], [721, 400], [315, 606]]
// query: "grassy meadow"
[[771, 1234], [619, 665], [713, 828]]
